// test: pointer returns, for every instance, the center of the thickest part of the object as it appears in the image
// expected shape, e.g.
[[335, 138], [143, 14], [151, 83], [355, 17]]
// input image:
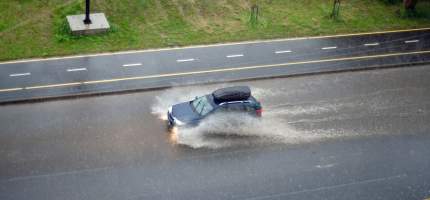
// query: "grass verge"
[[35, 28]]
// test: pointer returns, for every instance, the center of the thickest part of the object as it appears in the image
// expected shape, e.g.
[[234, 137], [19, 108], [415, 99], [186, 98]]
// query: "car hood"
[[184, 112]]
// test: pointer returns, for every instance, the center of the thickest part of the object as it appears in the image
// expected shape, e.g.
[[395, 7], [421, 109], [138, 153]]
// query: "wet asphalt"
[[165, 68], [351, 135]]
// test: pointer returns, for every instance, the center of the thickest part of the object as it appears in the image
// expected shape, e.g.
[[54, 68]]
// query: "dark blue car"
[[231, 99]]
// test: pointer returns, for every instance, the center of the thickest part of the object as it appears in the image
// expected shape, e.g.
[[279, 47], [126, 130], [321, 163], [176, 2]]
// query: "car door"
[[236, 108], [230, 108]]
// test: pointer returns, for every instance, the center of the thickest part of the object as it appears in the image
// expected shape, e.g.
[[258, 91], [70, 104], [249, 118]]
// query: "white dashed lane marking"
[[186, 60], [21, 74], [371, 44], [217, 70], [325, 166], [132, 65], [76, 69], [326, 48], [235, 56], [281, 52], [218, 45], [411, 41]]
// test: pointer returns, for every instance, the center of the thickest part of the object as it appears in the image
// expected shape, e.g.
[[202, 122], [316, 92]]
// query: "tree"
[[410, 4], [255, 12], [336, 7]]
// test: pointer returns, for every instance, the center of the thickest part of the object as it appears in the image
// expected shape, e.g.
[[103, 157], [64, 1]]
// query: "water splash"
[[226, 130]]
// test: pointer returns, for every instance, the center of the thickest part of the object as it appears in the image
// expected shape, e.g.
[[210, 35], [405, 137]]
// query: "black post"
[[87, 19]]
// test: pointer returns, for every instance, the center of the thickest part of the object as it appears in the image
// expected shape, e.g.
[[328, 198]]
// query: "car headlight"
[[178, 122]]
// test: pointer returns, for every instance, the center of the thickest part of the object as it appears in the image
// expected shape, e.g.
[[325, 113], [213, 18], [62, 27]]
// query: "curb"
[[127, 91]]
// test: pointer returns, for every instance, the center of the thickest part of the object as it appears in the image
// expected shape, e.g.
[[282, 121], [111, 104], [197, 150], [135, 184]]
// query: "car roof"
[[235, 93]]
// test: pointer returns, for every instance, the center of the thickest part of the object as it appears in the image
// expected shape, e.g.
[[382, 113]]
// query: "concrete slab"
[[99, 24]]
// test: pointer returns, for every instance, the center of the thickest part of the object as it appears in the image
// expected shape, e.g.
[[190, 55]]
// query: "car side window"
[[249, 108], [222, 108], [236, 107]]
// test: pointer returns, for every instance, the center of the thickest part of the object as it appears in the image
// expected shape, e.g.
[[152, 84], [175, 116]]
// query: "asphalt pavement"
[[350, 135], [38, 79]]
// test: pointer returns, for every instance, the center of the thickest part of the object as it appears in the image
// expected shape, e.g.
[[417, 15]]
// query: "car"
[[236, 99]]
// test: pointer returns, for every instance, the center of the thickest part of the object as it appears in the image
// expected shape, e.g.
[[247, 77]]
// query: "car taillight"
[[259, 112]]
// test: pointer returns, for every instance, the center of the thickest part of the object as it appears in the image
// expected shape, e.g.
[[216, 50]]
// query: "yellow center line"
[[215, 71], [252, 67], [51, 86]]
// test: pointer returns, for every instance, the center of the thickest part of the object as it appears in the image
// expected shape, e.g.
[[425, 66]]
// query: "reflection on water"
[[173, 135]]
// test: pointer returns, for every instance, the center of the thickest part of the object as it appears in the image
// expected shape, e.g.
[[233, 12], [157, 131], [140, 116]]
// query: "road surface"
[[351, 135], [37, 79]]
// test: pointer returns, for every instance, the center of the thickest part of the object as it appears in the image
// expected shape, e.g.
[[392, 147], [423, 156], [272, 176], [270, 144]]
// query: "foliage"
[[392, 1]]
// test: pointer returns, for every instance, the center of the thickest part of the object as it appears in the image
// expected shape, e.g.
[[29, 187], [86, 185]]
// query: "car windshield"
[[202, 105]]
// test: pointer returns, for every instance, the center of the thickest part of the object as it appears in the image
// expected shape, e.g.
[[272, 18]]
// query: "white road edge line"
[[371, 44], [10, 89], [211, 45], [22, 74], [132, 65], [186, 60], [280, 52], [326, 48], [411, 41], [234, 56], [76, 69]]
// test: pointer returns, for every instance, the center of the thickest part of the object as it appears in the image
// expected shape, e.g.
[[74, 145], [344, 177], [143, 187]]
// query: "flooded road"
[[300, 110], [354, 135]]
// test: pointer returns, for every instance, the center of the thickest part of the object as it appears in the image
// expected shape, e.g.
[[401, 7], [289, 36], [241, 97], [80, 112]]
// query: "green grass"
[[38, 28]]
